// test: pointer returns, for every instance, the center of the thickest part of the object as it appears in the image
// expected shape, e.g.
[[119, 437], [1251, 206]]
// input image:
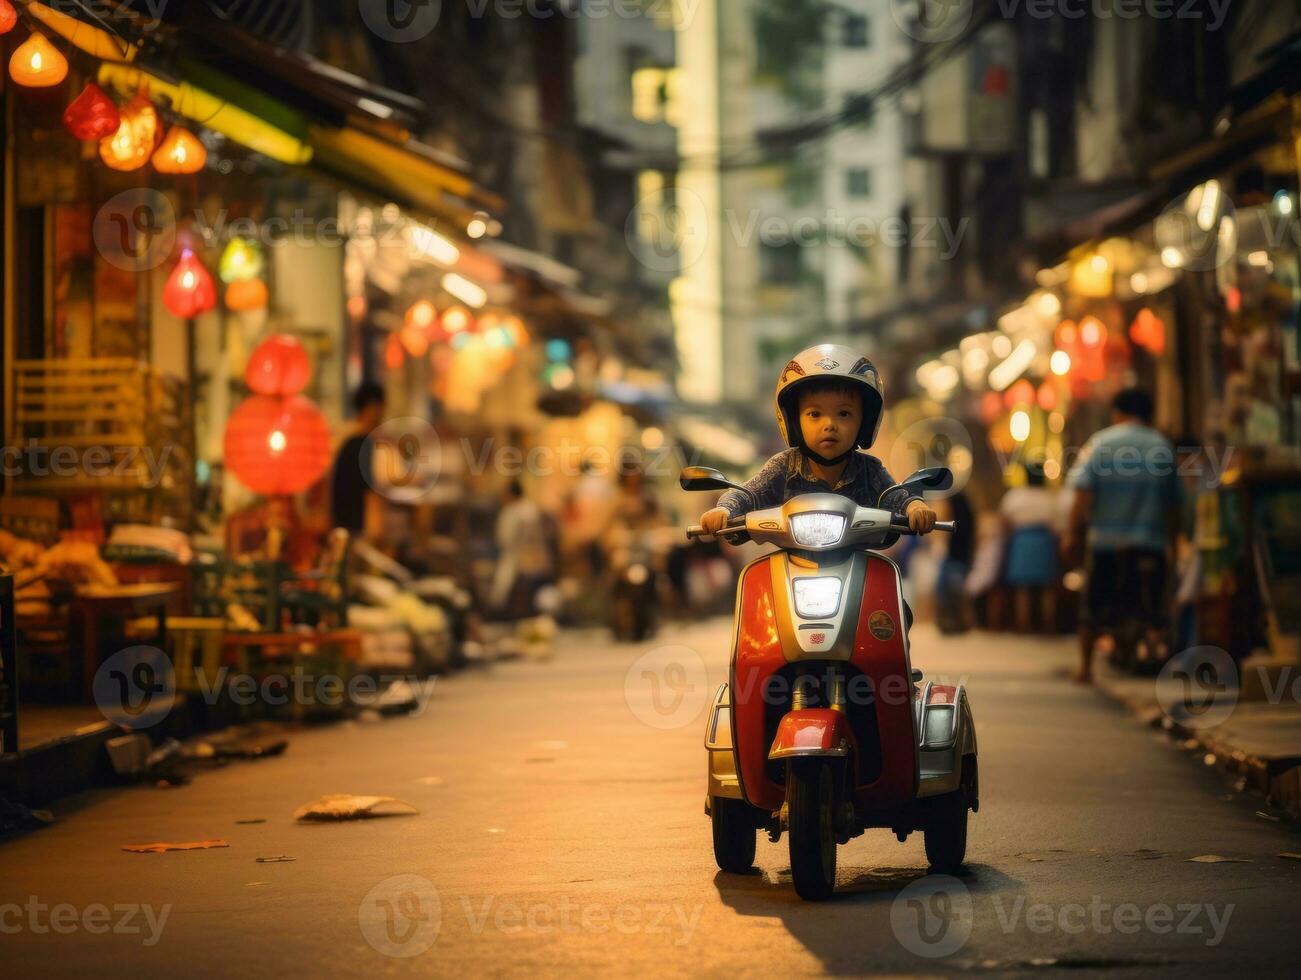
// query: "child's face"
[[829, 421]]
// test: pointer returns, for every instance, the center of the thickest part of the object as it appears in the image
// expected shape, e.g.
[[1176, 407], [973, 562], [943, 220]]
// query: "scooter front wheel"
[[811, 798]]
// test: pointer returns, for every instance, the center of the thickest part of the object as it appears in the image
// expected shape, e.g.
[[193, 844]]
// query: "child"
[[829, 409]]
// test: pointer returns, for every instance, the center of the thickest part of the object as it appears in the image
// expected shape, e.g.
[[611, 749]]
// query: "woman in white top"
[[1032, 515]]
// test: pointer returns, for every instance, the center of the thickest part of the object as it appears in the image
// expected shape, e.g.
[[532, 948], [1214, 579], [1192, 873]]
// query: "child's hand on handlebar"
[[713, 521], [921, 518]]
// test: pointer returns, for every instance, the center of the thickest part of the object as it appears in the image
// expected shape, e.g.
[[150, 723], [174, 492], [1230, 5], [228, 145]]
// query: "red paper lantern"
[[394, 353], [92, 115], [277, 445], [8, 16], [278, 366], [190, 289]]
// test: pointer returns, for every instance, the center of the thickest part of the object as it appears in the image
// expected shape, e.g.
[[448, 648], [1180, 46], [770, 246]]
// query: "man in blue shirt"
[[1125, 514]]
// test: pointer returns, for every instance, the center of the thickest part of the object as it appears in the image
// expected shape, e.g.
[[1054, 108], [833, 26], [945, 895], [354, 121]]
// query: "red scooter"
[[823, 728]]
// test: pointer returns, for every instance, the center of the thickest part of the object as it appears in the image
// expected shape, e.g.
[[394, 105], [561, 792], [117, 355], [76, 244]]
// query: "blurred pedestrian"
[[951, 613], [354, 504], [1123, 522], [1032, 517], [523, 554]]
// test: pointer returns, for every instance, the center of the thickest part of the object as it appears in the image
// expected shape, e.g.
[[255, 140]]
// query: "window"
[[780, 263], [856, 31], [858, 109], [858, 182]]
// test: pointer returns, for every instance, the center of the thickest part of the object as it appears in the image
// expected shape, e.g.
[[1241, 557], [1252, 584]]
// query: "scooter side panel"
[[881, 652], [756, 655]]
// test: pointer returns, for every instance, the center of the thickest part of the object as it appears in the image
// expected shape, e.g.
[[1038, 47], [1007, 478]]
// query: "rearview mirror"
[[931, 478], [704, 478]]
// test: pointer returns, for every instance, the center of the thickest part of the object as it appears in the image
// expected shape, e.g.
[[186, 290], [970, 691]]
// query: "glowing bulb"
[[277, 441], [1020, 425], [1060, 362]]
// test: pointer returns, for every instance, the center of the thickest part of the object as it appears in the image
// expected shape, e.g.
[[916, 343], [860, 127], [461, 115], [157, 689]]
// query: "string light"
[[37, 63]]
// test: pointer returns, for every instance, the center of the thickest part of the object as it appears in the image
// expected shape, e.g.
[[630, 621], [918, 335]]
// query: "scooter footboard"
[[812, 732]]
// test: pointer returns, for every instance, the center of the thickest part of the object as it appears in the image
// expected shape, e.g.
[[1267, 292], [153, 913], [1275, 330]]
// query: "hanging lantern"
[[247, 294], [92, 115], [37, 63], [190, 289], [1148, 331], [394, 352], [130, 146], [278, 366], [420, 328], [8, 16], [457, 319], [415, 339], [242, 259], [180, 152], [277, 445]]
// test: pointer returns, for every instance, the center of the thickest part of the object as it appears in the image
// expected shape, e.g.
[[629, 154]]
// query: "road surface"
[[561, 830]]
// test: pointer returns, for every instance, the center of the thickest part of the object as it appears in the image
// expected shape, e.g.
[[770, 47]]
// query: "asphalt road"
[[561, 830]]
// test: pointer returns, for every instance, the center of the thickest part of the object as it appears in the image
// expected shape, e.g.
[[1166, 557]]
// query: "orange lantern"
[[277, 445], [180, 152], [92, 115], [394, 352], [1148, 331], [248, 294], [456, 320], [37, 63], [8, 16], [1046, 396], [414, 339], [129, 147], [190, 289], [278, 366], [1021, 393]]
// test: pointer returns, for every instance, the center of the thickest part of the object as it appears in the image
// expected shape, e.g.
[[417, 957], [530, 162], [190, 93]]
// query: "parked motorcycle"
[[822, 730]]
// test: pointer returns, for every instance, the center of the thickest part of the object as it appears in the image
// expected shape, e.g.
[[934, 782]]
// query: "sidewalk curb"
[[1278, 780]]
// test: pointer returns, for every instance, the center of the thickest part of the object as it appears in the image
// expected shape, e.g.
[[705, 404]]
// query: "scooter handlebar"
[[696, 531]]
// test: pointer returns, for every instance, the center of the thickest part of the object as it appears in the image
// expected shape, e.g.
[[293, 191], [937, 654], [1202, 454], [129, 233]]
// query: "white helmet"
[[828, 362]]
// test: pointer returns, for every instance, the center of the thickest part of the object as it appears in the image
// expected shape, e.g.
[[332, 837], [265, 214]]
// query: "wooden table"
[[95, 603]]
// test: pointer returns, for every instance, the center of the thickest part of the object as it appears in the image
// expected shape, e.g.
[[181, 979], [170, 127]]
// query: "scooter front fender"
[[812, 731]]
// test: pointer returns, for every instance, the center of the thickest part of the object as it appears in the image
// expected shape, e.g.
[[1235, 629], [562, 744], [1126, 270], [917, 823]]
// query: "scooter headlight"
[[817, 598], [817, 530]]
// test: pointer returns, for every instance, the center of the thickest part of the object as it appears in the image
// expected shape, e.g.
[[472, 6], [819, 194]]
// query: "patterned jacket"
[[787, 475]]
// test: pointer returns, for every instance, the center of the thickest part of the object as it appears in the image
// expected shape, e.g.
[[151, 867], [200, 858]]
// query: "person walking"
[[354, 505], [1032, 518], [524, 554], [1123, 520]]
